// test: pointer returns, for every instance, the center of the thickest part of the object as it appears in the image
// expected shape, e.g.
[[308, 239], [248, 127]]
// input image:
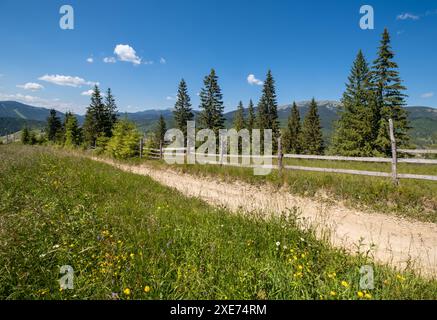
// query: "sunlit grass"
[[128, 237]]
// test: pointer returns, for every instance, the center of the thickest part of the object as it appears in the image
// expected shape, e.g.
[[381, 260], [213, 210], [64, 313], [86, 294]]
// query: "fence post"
[[280, 156], [141, 148], [160, 149], [394, 157]]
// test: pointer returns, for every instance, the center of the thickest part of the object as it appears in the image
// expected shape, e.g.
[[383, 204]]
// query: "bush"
[[125, 140]]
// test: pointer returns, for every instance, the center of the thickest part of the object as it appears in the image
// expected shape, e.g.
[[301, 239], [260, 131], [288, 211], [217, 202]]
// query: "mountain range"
[[14, 115]]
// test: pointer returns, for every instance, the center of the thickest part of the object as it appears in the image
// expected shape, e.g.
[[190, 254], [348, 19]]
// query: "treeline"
[[373, 95], [101, 131]]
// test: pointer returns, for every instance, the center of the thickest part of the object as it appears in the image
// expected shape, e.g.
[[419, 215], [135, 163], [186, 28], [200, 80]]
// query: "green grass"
[[416, 199], [123, 231]]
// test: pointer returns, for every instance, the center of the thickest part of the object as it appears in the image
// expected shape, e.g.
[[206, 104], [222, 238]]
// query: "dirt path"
[[395, 241]]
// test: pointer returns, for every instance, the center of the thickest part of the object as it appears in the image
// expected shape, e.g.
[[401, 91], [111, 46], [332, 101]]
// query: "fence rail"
[[156, 153]]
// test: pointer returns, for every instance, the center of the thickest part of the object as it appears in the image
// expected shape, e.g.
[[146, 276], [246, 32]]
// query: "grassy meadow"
[[128, 237], [415, 199]]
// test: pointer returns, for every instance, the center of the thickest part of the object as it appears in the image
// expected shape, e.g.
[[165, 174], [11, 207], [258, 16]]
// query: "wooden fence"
[[394, 160]]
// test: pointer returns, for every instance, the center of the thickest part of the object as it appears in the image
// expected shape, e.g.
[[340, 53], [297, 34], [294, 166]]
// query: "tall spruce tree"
[[95, 118], [182, 110], [354, 133], [390, 99], [293, 132], [251, 117], [312, 138], [110, 113], [239, 121], [160, 131], [54, 126], [211, 104], [73, 133], [268, 109]]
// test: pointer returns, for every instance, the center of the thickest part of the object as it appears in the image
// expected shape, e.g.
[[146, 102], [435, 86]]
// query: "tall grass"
[[127, 237]]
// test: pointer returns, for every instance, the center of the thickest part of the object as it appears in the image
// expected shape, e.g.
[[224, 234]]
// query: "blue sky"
[[308, 45]]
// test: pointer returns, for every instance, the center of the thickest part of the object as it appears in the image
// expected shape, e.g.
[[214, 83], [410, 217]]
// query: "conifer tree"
[[110, 113], [94, 126], [251, 118], [182, 110], [292, 137], [268, 109], [354, 133], [160, 131], [124, 141], [73, 134], [312, 139], [239, 121], [54, 126], [390, 98], [211, 104], [25, 136]]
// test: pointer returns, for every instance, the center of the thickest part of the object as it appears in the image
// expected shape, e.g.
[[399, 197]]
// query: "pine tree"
[[54, 126], [390, 100], [251, 118], [354, 133], [110, 113], [160, 131], [268, 109], [292, 138], [211, 104], [239, 121], [73, 134], [312, 139], [94, 126], [182, 110], [25, 136]]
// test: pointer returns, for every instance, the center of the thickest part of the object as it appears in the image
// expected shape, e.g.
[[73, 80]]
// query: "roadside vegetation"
[[127, 237], [415, 199]]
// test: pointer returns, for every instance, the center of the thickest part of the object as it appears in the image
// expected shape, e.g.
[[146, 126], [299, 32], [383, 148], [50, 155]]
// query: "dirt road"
[[393, 240]]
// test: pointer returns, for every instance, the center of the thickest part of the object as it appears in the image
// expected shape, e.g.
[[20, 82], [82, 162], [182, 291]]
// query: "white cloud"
[[87, 93], [407, 16], [162, 61], [254, 81], [90, 60], [32, 86], [169, 98], [126, 53], [109, 60], [427, 95], [148, 62], [68, 81]]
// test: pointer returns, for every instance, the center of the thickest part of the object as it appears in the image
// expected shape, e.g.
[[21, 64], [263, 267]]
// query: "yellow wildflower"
[[146, 289], [360, 294], [400, 278], [345, 284], [333, 293], [126, 291]]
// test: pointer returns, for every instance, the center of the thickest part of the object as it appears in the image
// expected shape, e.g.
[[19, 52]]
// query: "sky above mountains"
[[141, 49]]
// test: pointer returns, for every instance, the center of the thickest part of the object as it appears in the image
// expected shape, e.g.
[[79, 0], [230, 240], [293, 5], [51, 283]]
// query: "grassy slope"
[[119, 230], [412, 198]]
